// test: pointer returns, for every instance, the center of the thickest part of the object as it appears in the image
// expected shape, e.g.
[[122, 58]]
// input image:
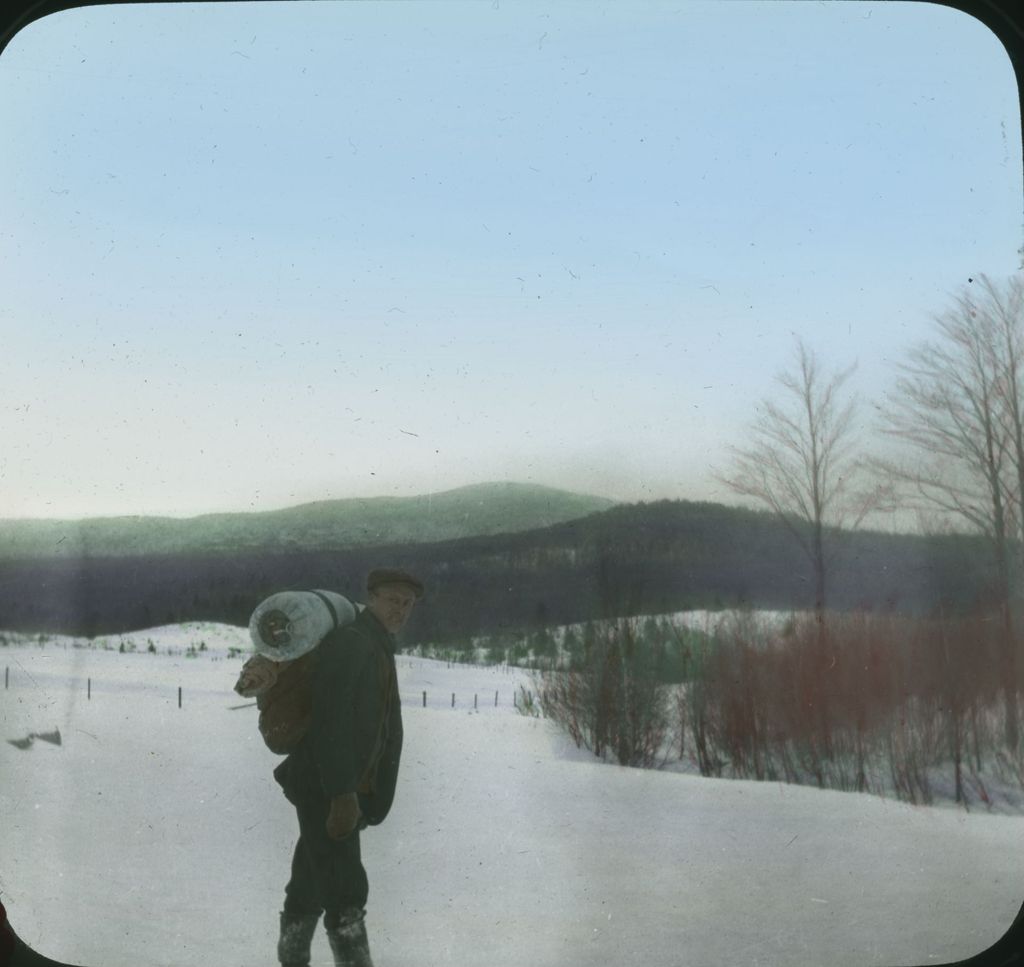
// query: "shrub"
[[866, 703], [613, 703]]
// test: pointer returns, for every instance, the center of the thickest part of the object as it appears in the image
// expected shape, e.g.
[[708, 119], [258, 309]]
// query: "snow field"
[[156, 836]]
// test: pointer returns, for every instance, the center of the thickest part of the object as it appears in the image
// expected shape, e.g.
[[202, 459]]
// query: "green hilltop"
[[475, 510]]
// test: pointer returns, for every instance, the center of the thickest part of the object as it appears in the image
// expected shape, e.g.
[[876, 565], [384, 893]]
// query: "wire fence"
[[460, 699]]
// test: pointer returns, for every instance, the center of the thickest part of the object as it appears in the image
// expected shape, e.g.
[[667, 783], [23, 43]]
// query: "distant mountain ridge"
[[474, 510]]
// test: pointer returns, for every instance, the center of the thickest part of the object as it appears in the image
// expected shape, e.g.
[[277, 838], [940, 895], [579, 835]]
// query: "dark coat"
[[354, 740]]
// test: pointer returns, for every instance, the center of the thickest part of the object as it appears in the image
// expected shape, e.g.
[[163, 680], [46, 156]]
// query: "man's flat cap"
[[392, 575]]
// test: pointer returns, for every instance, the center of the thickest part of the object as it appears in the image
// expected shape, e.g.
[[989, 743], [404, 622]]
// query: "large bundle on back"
[[285, 630], [290, 624]]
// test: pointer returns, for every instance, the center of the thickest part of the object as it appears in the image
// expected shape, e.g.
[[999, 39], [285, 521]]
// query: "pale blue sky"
[[254, 255]]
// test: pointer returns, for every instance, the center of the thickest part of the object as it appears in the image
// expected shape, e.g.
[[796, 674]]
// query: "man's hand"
[[344, 815]]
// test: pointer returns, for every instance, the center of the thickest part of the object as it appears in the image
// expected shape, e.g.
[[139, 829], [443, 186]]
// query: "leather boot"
[[295, 940], [348, 940]]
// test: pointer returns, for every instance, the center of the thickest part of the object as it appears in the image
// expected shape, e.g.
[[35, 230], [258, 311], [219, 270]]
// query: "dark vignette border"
[[1005, 18]]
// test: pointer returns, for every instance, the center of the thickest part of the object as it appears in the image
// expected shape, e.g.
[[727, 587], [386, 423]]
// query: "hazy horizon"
[[353, 497], [900, 522]]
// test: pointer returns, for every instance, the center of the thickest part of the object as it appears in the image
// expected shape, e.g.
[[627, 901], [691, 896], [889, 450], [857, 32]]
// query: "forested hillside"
[[636, 559]]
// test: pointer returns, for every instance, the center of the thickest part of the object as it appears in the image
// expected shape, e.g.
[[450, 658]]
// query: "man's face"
[[392, 604]]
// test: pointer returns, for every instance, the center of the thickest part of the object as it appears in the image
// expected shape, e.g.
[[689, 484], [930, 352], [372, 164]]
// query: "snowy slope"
[[155, 835]]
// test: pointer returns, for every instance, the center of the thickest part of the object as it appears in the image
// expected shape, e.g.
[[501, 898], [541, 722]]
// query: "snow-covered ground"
[[702, 619], [155, 835]]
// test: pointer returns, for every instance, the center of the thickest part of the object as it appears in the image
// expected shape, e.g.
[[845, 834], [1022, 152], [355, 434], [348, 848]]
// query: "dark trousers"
[[327, 875]]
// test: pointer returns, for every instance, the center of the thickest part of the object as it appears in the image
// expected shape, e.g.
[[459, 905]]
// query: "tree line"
[[637, 559]]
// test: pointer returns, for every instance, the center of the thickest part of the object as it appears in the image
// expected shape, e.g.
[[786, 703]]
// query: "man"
[[341, 777]]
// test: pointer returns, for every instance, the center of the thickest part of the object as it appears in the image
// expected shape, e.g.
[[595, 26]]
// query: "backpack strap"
[[330, 606]]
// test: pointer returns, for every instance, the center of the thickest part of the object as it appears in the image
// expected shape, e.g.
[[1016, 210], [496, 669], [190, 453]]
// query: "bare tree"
[[802, 465], [956, 404], [1003, 307]]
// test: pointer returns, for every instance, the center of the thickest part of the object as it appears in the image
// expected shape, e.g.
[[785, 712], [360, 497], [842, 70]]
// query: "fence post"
[[453, 699], [88, 688], [495, 699], [424, 699], [179, 696], [7, 677], [474, 701]]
